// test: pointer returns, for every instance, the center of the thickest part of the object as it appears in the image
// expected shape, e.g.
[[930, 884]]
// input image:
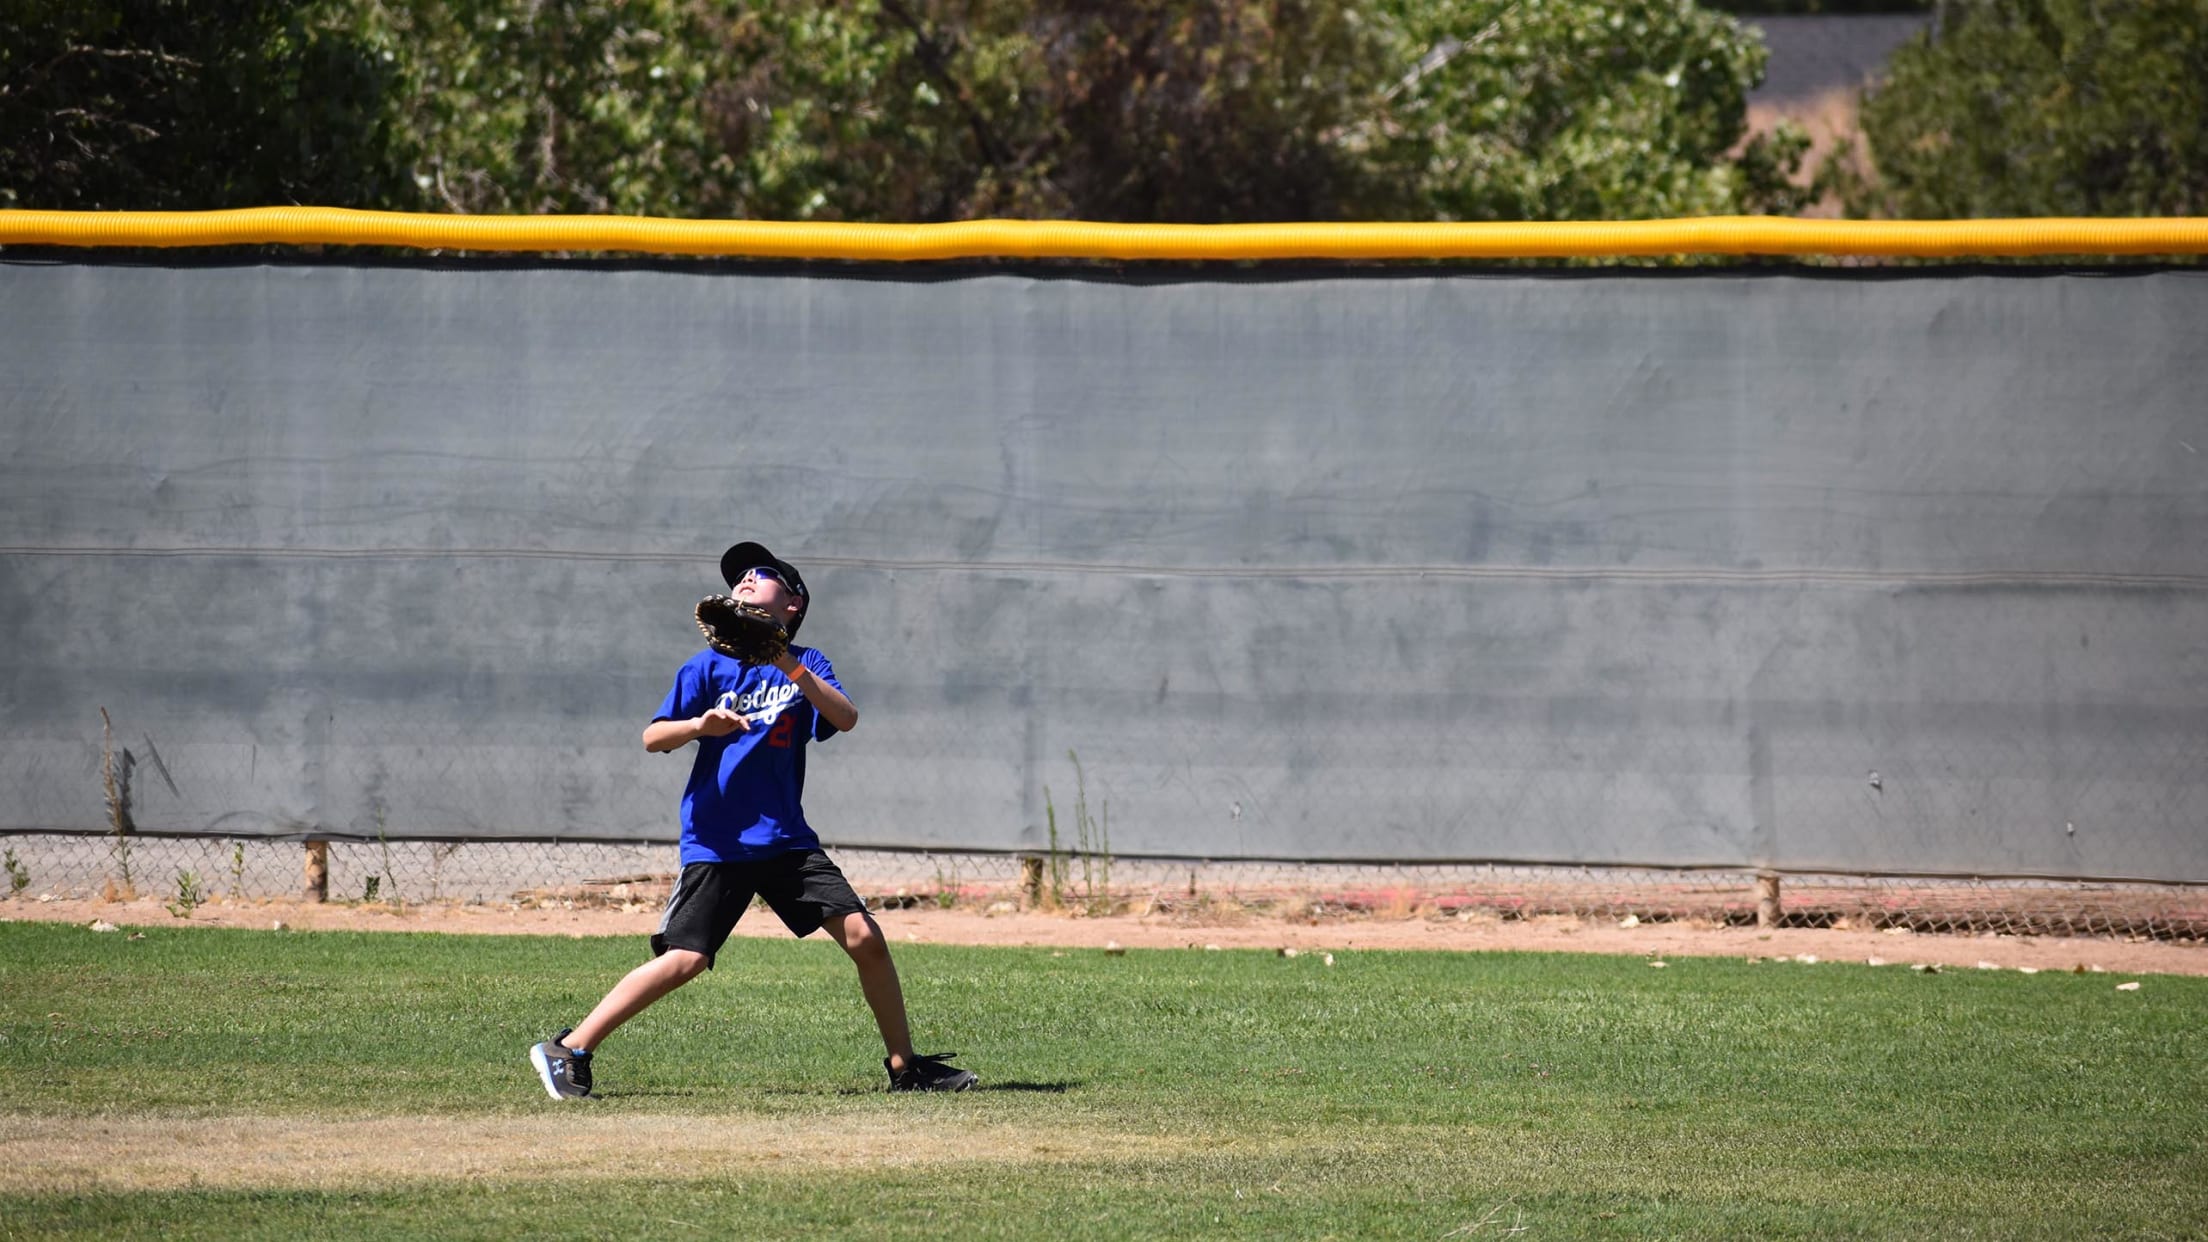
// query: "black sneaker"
[[929, 1073], [566, 1072]]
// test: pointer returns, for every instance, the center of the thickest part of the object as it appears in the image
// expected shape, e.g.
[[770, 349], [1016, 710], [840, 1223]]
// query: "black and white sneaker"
[[565, 1072], [930, 1073]]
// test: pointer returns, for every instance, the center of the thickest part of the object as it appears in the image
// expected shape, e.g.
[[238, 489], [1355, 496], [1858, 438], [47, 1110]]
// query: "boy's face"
[[766, 589]]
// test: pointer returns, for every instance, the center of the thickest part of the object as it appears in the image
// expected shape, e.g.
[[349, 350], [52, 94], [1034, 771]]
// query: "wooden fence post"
[[1768, 912], [318, 871], [1031, 879]]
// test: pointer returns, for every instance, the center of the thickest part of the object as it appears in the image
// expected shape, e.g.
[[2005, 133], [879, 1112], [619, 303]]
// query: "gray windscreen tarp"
[[1901, 575]]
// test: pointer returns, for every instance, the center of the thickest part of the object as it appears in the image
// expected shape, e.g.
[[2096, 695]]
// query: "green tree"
[[900, 110], [1570, 110], [2043, 108], [1246, 110], [889, 111], [162, 104], [1184, 110], [579, 106]]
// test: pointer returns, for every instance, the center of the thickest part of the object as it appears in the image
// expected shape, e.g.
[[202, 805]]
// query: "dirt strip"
[[1478, 932], [143, 1153]]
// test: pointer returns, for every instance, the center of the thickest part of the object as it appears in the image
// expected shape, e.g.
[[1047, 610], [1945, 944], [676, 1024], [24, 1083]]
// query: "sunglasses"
[[767, 572]]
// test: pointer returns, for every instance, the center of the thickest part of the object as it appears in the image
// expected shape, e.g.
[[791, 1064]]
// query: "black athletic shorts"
[[802, 886]]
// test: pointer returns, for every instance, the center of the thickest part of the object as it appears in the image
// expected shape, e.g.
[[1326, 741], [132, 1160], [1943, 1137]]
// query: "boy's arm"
[[665, 735], [834, 705]]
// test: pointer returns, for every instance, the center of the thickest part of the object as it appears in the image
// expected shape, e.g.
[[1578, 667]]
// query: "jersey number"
[[779, 736]]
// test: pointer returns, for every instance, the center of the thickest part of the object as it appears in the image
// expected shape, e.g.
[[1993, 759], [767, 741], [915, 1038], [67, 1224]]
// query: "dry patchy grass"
[[131, 1153]]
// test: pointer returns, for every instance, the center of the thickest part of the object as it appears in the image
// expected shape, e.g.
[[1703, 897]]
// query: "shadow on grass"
[[1033, 1088]]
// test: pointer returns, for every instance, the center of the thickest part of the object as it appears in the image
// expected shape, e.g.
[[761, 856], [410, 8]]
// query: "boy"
[[743, 832]]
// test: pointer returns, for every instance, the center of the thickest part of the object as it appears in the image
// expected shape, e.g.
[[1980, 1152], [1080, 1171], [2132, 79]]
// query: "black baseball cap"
[[747, 556]]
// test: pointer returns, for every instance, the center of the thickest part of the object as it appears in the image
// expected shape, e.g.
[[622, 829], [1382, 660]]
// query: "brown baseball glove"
[[741, 631]]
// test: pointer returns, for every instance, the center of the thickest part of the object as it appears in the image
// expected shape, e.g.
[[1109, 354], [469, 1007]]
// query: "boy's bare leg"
[[862, 938], [635, 993]]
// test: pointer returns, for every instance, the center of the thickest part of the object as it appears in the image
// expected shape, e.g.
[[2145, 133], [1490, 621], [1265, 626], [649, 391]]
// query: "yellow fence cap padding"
[[1075, 239]]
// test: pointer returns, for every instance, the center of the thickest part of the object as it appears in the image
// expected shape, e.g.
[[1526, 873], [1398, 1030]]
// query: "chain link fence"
[[599, 874]]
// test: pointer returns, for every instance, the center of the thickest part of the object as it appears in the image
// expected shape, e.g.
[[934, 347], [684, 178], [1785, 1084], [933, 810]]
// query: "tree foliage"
[[1548, 110], [908, 110], [1187, 110], [2044, 108], [151, 104], [584, 106]]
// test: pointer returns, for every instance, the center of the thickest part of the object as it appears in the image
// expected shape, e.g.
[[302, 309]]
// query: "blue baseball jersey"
[[743, 799]]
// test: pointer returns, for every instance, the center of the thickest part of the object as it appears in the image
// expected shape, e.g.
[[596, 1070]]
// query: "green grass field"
[[225, 1084]]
